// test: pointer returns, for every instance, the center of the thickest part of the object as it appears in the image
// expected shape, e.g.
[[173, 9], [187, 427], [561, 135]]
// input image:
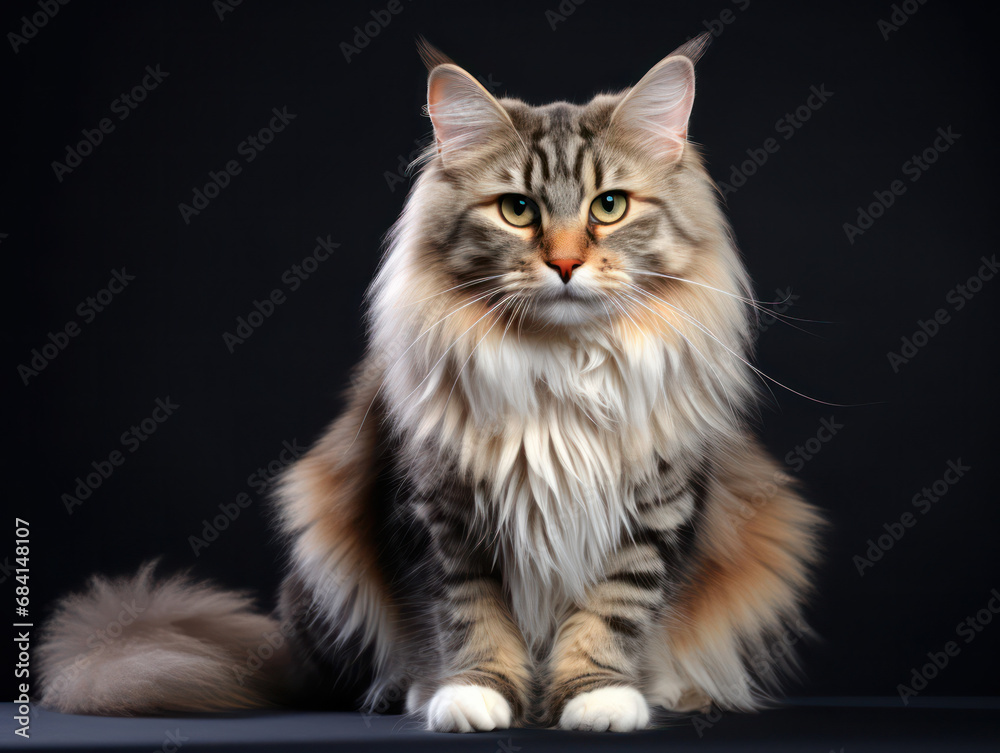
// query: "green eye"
[[609, 207], [518, 210]]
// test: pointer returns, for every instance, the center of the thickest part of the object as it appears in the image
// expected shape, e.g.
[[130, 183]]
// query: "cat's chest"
[[555, 439], [571, 438], [570, 420]]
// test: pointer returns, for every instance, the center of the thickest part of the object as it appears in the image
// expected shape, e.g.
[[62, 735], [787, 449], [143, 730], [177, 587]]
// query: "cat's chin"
[[572, 312]]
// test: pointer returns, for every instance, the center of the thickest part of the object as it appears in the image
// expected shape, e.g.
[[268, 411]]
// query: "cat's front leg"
[[486, 675], [595, 669], [594, 673]]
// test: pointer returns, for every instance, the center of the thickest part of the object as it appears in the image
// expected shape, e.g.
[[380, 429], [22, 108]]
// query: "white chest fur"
[[561, 434]]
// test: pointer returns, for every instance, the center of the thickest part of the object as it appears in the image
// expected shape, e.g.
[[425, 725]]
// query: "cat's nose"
[[564, 267]]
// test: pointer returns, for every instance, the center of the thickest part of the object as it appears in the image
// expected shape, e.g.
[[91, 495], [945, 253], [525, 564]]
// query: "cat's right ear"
[[464, 114], [653, 115]]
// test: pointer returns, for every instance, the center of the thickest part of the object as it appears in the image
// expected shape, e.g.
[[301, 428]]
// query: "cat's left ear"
[[464, 114], [653, 116]]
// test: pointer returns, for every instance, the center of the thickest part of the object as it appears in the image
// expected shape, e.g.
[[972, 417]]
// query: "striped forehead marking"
[[559, 147]]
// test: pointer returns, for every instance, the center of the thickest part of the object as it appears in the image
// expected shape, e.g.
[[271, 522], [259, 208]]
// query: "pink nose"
[[564, 267]]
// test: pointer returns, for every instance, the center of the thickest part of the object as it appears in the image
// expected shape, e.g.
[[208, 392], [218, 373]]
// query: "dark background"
[[325, 175]]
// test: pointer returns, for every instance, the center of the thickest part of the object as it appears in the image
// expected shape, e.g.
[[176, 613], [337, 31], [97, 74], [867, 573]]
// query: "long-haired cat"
[[542, 501]]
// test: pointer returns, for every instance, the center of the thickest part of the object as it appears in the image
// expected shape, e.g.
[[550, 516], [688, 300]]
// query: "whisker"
[[446, 352], [501, 303], [456, 287], [663, 391], [625, 312], [704, 329], [516, 298], [707, 361], [523, 316], [611, 327], [417, 339], [702, 284], [749, 365], [756, 304]]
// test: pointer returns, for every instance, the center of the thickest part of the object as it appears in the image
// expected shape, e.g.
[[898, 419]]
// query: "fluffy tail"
[[137, 646]]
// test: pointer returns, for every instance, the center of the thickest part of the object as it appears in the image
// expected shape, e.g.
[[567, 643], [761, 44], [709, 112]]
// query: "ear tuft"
[[694, 48], [431, 55]]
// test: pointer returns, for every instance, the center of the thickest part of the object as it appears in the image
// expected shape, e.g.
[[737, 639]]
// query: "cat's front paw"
[[467, 708], [618, 709]]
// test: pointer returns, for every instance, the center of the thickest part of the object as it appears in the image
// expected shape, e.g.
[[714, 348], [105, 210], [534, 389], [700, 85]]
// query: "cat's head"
[[564, 218]]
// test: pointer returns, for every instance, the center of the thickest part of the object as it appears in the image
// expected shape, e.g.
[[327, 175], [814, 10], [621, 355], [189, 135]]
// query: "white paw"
[[618, 709], [467, 708]]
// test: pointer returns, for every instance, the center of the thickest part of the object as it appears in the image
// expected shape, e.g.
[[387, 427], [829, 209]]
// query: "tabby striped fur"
[[575, 474], [542, 501]]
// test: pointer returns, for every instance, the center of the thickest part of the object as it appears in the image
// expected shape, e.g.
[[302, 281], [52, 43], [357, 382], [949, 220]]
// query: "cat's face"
[[567, 214], [563, 221]]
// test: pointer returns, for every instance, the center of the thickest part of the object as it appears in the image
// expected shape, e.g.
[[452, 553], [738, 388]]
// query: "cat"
[[542, 503]]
